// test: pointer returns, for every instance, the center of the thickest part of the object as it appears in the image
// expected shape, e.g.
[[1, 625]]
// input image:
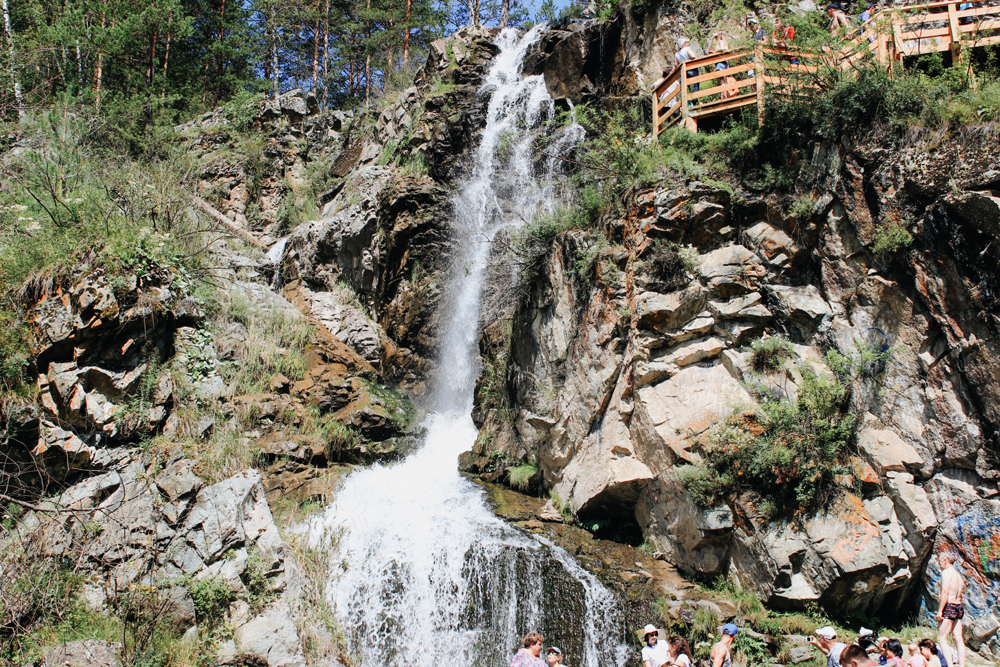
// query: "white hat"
[[827, 632], [649, 629]]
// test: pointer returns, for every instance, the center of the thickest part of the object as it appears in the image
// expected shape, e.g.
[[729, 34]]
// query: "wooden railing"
[[699, 89]]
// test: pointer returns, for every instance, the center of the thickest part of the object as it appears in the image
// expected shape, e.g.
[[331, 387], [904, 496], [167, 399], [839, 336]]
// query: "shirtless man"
[[950, 610], [720, 656]]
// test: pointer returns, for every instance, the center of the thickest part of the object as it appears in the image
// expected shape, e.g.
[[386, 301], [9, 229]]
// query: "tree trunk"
[[406, 34], [99, 70], [274, 51], [473, 13], [316, 54], [368, 56], [326, 50], [166, 59], [151, 59], [18, 99], [504, 13]]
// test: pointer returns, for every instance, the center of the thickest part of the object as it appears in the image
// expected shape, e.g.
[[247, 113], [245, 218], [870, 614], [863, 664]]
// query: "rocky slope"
[[620, 381], [616, 363]]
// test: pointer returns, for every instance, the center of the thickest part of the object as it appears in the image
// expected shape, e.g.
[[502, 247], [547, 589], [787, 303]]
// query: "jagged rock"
[[774, 245], [85, 653], [346, 322], [665, 312], [549, 512], [802, 308], [694, 539], [885, 450], [669, 417], [797, 654], [271, 638], [60, 451], [731, 271], [691, 352], [279, 384], [178, 480]]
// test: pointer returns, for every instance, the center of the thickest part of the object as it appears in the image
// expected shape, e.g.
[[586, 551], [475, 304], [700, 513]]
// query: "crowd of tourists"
[[867, 651], [783, 35]]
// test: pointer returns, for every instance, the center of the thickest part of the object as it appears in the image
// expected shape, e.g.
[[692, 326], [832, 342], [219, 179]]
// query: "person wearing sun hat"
[[825, 639], [654, 652], [719, 656]]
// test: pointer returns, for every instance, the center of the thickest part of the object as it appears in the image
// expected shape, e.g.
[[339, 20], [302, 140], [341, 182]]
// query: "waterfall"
[[425, 573]]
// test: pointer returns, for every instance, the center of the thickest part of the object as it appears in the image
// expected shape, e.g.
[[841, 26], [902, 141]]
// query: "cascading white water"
[[426, 573]]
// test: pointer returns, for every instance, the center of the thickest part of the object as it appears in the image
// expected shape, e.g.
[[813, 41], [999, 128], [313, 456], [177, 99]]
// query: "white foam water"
[[426, 574]]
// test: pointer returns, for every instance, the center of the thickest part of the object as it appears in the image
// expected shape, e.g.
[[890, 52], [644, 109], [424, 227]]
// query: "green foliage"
[[647, 548], [564, 506], [770, 354], [751, 651], [788, 453], [864, 359], [14, 351], [211, 597], [415, 165], [259, 589], [891, 239], [802, 208], [242, 109], [704, 625], [520, 476]]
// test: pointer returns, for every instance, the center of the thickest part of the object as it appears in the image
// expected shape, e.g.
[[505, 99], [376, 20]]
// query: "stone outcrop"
[[157, 529], [618, 382]]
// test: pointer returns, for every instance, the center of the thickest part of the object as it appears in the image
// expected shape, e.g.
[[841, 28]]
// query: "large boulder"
[[695, 539]]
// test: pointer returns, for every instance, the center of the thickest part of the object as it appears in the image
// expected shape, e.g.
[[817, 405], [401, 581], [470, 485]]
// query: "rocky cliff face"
[[618, 378]]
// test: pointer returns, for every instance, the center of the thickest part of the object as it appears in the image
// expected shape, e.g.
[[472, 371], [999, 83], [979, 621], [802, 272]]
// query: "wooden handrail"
[[888, 35]]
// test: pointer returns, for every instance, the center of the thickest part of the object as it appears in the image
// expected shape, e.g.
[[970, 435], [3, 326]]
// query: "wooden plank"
[[659, 104], [713, 58], [715, 74], [726, 106], [742, 83]]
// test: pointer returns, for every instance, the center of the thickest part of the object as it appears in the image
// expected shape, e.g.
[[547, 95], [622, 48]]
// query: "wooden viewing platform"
[[696, 89]]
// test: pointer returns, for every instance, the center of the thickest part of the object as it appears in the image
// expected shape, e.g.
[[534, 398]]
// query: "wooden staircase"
[[697, 89]]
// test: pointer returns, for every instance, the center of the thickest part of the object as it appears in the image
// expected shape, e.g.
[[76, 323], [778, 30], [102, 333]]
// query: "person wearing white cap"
[[825, 639], [554, 657], [654, 652]]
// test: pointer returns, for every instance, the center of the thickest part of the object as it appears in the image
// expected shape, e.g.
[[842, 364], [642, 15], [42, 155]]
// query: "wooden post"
[[954, 34], [897, 39], [686, 119], [758, 72], [656, 113]]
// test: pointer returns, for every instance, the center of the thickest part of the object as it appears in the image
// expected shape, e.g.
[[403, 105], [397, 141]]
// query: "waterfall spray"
[[426, 573]]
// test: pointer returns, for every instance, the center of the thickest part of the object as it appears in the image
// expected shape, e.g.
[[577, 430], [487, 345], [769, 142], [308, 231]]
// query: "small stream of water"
[[426, 573]]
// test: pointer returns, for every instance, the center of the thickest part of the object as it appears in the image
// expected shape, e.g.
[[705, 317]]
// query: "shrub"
[[788, 453], [750, 650], [520, 476], [211, 598], [242, 110], [259, 590], [891, 239], [769, 355]]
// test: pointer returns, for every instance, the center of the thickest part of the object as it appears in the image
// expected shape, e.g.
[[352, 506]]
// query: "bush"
[[891, 239], [242, 110], [520, 477], [769, 355], [211, 598], [788, 453]]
